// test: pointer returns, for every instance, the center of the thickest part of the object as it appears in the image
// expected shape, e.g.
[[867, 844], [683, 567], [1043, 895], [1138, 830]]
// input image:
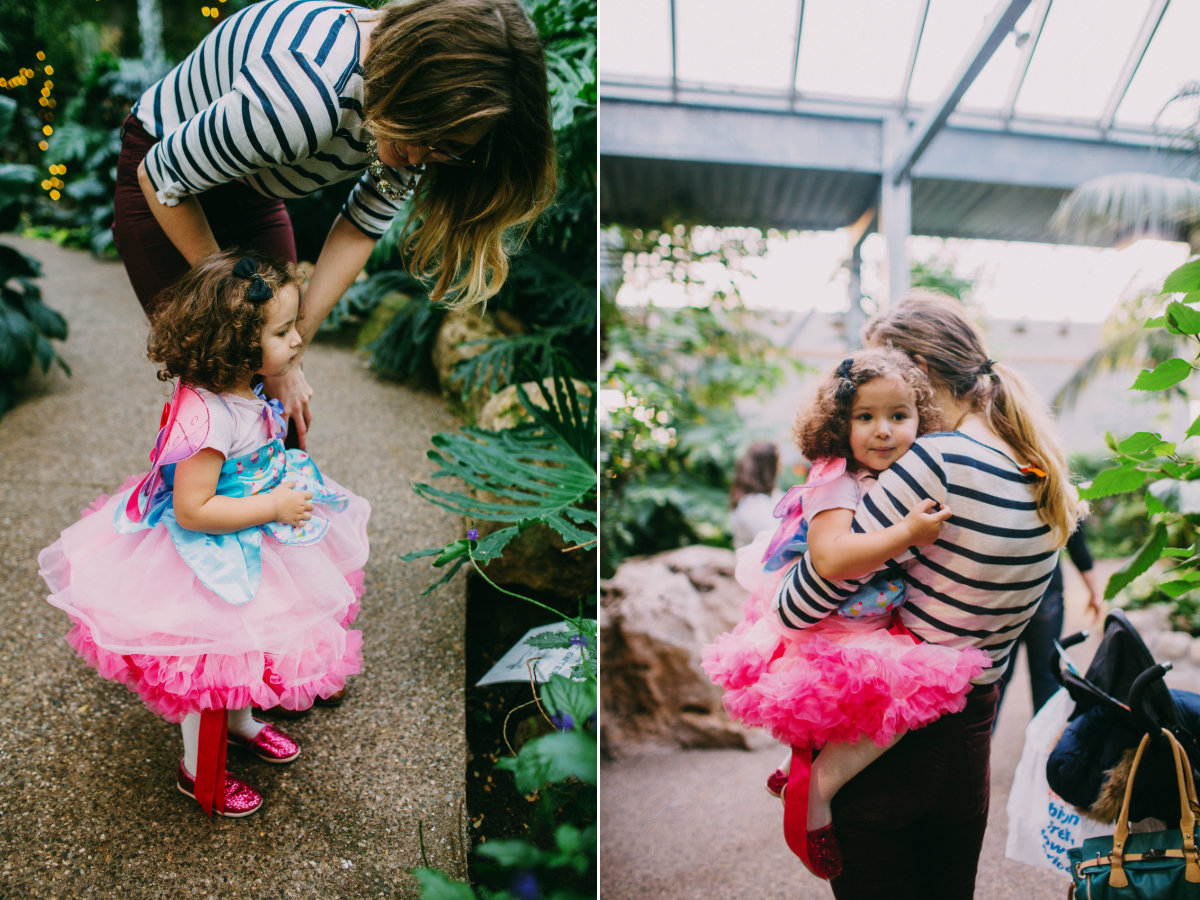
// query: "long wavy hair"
[[936, 328], [441, 67], [822, 429], [205, 330], [754, 472]]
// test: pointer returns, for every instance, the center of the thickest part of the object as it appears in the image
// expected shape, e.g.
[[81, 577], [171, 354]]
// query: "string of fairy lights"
[[54, 184]]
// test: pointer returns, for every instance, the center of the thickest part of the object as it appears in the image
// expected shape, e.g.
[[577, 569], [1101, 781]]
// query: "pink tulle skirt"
[[142, 618], [838, 681]]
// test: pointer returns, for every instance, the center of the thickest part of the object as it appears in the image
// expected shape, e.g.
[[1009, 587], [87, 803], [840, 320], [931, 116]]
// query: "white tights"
[[241, 723]]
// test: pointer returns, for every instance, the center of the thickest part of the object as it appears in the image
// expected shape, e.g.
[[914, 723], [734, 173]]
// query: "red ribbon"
[[795, 803], [210, 762]]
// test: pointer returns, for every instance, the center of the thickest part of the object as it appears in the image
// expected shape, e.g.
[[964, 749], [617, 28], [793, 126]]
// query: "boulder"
[[459, 329], [656, 613]]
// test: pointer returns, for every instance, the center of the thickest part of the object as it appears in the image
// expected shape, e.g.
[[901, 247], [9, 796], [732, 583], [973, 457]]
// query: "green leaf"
[[1136, 443], [1113, 481], [544, 479], [8, 111], [577, 698], [1177, 496], [1153, 504], [450, 573], [1164, 375], [1146, 556], [1183, 317], [556, 757], [1156, 322], [453, 550], [1166, 448], [1110, 440], [1193, 429], [48, 321], [436, 885], [1176, 588], [1179, 551], [511, 854], [1184, 279], [419, 554], [15, 264]]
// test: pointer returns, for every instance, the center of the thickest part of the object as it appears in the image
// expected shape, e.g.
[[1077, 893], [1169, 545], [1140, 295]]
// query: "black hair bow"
[[260, 291], [846, 390]]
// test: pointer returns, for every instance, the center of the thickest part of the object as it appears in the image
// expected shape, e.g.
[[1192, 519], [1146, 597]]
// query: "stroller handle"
[[1058, 657], [1137, 693]]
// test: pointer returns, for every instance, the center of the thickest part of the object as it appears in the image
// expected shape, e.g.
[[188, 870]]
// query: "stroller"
[[1121, 698]]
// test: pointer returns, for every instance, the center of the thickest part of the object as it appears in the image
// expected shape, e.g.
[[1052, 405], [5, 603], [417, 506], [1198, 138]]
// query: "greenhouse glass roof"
[[1105, 69]]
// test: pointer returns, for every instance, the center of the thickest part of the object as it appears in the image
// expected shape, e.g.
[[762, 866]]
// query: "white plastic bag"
[[1042, 826]]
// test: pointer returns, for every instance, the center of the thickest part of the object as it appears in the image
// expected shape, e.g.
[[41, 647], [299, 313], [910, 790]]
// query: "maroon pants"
[[238, 214], [911, 824]]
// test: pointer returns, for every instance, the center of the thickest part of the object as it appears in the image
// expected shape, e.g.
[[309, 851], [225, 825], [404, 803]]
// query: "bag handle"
[[1187, 816]]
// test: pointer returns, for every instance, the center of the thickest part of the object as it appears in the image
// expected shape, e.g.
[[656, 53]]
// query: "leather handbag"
[[1158, 865]]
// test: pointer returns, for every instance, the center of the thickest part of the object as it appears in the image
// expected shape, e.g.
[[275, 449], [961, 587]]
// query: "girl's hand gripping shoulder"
[[198, 507], [923, 523]]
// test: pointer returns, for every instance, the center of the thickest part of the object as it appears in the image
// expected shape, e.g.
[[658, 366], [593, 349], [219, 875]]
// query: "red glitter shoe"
[[824, 854], [269, 744], [240, 798], [776, 782]]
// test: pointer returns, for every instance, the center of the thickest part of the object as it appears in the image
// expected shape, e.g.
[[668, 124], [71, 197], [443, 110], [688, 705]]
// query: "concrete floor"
[[88, 805], [698, 825]]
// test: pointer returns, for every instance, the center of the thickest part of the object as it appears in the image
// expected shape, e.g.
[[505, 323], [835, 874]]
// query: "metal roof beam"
[[1150, 24], [674, 55], [1002, 20], [796, 54], [1035, 32], [912, 54]]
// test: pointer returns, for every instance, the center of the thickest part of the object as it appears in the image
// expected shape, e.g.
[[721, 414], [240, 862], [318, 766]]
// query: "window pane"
[[950, 28], [635, 38], [750, 47], [1078, 59], [855, 48], [1171, 61]]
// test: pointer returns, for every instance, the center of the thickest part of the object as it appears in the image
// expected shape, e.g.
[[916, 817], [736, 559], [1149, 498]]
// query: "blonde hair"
[[441, 67], [936, 328], [822, 429]]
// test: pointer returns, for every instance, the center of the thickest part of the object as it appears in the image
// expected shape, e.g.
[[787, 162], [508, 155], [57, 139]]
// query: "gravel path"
[[88, 805]]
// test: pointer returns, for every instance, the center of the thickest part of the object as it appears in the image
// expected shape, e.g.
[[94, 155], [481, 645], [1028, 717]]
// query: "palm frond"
[[1132, 344], [1128, 205]]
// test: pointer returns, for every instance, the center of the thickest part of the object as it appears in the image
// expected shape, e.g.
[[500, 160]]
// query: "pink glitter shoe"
[[270, 744], [824, 854], [776, 782], [240, 798]]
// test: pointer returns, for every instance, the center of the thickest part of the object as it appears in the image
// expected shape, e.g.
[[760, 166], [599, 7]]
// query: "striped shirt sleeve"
[[369, 210], [280, 108], [803, 597]]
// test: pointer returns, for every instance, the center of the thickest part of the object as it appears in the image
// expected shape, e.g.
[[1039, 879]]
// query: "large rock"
[[535, 557], [454, 344], [655, 614]]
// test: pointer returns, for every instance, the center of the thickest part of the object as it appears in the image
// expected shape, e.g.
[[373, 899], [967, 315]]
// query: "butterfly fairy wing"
[[791, 507], [182, 432]]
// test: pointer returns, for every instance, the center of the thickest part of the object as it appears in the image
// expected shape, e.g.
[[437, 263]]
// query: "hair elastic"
[[260, 291], [847, 388], [986, 368]]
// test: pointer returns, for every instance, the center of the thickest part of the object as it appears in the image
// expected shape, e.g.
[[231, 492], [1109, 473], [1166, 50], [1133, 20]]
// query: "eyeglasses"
[[482, 150]]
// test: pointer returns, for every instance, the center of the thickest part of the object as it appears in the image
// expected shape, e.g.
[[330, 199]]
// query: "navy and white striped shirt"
[[980, 582], [272, 97]]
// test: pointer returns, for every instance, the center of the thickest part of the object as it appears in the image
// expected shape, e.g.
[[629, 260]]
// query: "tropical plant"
[[27, 325], [543, 472], [1169, 477]]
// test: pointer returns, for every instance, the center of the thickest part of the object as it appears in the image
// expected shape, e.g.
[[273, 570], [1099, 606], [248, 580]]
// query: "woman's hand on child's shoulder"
[[923, 524], [292, 507]]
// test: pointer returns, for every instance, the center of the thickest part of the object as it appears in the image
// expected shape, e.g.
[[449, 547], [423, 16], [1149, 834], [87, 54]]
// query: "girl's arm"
[[838, 553], [342, 258], [198, 508]]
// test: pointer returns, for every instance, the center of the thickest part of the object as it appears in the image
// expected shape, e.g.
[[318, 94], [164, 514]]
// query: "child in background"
[[225, 577], [855, 682]]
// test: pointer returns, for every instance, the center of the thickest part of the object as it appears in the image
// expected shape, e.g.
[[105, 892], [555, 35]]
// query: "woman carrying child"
[[852, 683], [228, 575], [911, 824]]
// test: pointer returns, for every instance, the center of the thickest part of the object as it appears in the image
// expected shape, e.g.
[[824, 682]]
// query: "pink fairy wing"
[[790, 506], [184, 429]]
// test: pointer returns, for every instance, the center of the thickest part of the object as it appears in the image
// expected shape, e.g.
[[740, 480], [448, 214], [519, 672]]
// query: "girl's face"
[[883, 423], [398, 154], [280, 339]]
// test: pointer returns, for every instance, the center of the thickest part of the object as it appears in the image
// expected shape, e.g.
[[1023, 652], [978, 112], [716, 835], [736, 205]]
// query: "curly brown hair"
[[823, 427], [205, 330]]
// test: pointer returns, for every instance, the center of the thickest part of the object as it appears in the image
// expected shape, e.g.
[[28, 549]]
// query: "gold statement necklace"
[[379, 175]]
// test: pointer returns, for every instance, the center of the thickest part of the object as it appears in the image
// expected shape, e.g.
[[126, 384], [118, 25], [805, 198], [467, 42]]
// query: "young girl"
[[226, 577], [855, 682]]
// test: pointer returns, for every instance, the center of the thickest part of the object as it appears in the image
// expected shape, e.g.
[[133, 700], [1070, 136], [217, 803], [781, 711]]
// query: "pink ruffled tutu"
[[142, 618], [838, 681]]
